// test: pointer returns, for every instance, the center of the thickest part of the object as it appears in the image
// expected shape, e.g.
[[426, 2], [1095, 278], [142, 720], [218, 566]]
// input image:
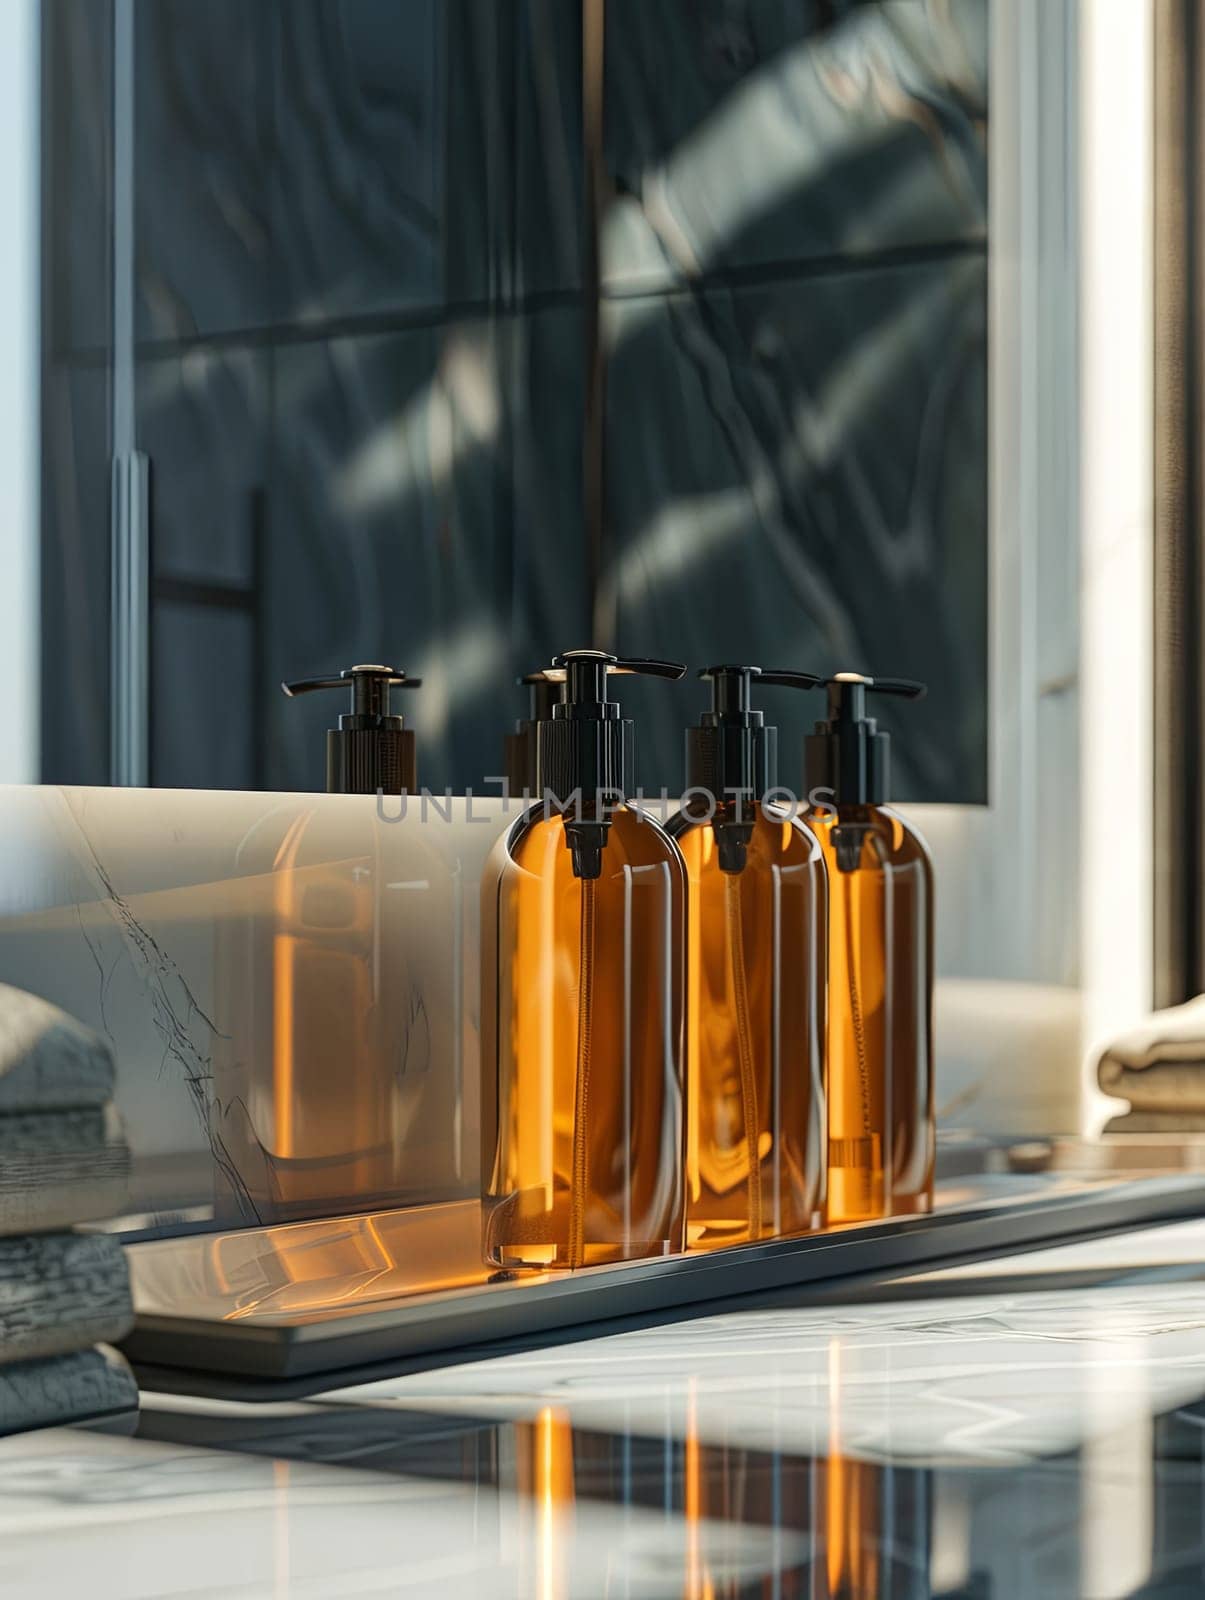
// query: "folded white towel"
[[1160, 1064], [86, 1386], [60, 1292], [47, 1059]]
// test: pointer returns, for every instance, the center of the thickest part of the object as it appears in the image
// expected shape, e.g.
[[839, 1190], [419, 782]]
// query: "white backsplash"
[[289, 983]]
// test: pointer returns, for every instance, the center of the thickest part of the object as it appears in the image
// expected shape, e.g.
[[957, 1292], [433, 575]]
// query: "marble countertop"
[[965, 1434]]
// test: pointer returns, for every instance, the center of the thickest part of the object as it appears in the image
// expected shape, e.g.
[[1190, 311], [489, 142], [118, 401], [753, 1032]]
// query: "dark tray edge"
[[193, 1355]]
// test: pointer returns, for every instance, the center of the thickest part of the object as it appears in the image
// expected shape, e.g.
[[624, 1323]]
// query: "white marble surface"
[[966, 1438], [124, 1519], [174, 923], [977, 1381], [168, 922]]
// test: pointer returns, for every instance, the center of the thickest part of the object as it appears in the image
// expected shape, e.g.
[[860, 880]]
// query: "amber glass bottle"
[[584, 926], [880, 1041], [755, 980]]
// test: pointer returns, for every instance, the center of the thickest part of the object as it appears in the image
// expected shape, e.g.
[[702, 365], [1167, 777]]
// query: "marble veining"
[[169, 923], [985, 1380], [821, 502], [790, 133]]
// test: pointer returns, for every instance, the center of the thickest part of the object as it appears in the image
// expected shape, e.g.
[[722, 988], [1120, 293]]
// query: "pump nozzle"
[[785, 678], [546, 690], [847, 692], [731, 756], [370, 752], [581, 751], [585, 672], [848, 755]]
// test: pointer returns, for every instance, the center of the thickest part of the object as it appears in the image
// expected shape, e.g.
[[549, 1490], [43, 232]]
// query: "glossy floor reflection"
[[961, 1434]]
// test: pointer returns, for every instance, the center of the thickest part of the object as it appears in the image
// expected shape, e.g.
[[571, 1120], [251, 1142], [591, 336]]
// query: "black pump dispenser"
[[848, 756], [370, 752], [732, 755], [582, 750], [522, 776]]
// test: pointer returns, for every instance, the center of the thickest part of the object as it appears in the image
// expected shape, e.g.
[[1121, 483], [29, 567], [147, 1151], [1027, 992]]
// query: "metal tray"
[[401, 1290]]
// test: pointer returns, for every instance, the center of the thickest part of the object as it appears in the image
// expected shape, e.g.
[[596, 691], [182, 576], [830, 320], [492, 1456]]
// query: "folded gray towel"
[[47, 1059], [61, 1132], [43, 1191], [60, 1292], [83, 1387], [58, 1168]]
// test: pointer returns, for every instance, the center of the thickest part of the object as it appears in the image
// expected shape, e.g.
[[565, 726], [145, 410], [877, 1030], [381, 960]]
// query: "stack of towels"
[[1159, 1067], [62, 1293]]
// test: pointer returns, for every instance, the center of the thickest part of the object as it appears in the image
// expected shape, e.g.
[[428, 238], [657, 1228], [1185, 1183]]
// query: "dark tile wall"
[[819, 500], [361, 326], [775, 134], [394, 494], [203, 139], [77, 136], [795, 279]]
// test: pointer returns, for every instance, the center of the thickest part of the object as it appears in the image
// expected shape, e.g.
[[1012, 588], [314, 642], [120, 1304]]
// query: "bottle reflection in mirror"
[[343, 929], [545, 690]]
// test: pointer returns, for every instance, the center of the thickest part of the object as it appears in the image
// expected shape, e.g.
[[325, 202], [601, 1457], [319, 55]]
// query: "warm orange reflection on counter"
[[876, 1515], [699, 1585], [850, 1515], [342, 1263], [545, 1481]]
